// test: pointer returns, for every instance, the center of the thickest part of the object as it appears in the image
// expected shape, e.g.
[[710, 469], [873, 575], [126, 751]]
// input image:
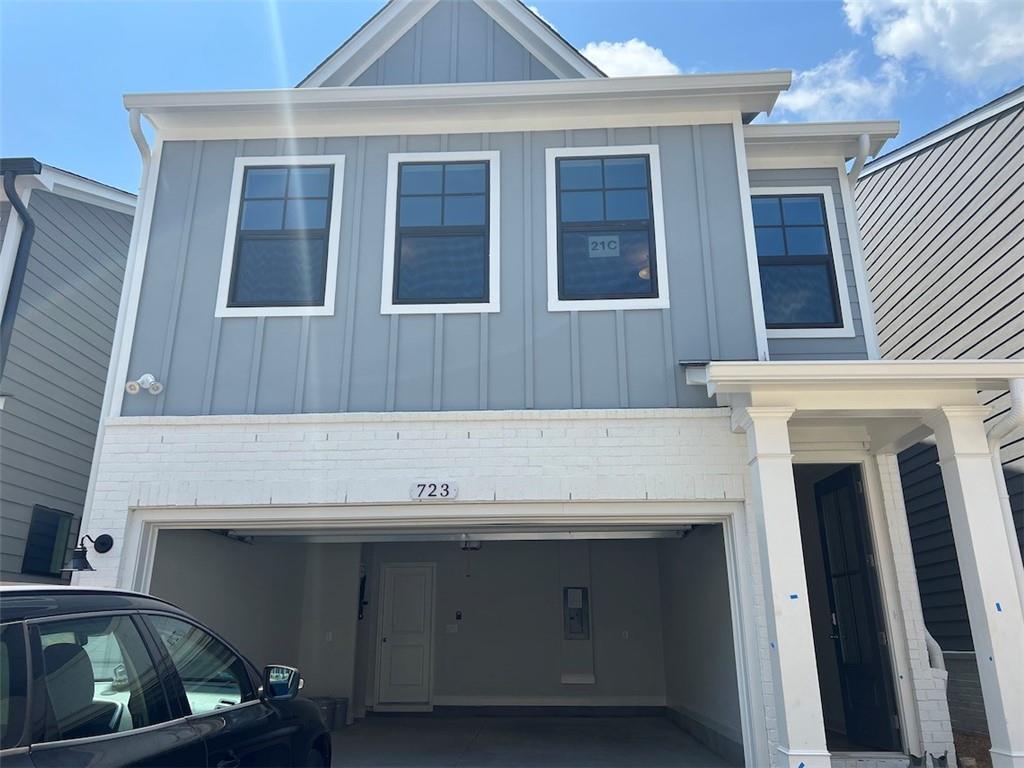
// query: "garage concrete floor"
[[525, 742]]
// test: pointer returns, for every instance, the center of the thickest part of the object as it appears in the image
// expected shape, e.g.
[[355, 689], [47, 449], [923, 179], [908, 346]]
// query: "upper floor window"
[[441, 241], [803, 284], [606, 245], [281, 249]]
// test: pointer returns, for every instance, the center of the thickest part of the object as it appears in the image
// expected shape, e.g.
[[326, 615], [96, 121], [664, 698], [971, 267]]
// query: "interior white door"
[[405, 634]]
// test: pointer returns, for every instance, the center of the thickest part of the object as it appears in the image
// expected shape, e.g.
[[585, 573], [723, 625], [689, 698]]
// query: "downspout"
[[863, 147], [12, 168], [1012, 421], [135, 126]]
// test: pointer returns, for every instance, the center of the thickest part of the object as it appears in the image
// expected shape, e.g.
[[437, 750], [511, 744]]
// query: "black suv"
[[106, 678]]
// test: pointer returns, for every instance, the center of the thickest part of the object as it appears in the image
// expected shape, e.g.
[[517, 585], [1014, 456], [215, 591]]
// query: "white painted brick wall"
[[543, 456]]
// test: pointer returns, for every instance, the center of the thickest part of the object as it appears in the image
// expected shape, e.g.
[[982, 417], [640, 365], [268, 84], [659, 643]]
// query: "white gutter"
[[135, 125], [863, 148], [1012, 421]]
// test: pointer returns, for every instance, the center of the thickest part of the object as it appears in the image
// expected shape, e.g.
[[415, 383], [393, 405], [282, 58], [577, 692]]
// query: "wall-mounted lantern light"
[[79, 560]]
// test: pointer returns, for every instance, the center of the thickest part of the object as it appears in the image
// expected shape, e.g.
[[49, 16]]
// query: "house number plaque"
[[433, 490]]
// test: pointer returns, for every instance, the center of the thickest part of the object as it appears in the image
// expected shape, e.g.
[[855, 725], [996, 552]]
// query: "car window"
[[99, 678], [212, 675], [13, 674]]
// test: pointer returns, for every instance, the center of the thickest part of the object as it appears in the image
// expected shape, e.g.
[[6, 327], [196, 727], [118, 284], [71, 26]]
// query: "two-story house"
[[487, 384]]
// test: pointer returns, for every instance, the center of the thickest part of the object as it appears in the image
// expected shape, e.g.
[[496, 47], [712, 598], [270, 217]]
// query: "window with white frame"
[[442, 236], [281, 247], [606, 244], [803, 284]]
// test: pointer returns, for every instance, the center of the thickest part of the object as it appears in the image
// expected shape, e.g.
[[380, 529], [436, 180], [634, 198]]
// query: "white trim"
[[333, 240], [1004, 103], [392, 706], [750, 242], [555, 304], [781, 144], [867, 307], [385, 29], [847, 329], [86, 190], [132, 286], [9, 245], [493, 304]]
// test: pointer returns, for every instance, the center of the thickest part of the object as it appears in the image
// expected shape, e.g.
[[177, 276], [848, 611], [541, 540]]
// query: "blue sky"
[[65, 65]]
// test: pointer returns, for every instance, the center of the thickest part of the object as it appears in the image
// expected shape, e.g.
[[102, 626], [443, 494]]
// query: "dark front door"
[[857, 627]]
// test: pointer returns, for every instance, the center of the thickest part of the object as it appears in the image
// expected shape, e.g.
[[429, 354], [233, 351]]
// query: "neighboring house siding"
[[852, 348], [522, 357], [482, 51], [56, 368], [5, 214]]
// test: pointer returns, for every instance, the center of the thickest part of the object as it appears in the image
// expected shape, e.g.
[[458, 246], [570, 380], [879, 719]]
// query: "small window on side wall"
[[442, 233], [606, 244], [281, 247], [46, 545], [803, 286]]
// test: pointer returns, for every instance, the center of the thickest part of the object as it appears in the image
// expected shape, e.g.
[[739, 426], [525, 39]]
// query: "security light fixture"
[[146, 381], [79, 560]]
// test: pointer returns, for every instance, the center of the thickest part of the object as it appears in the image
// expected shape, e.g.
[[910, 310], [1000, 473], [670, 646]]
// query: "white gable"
[[431, 41]]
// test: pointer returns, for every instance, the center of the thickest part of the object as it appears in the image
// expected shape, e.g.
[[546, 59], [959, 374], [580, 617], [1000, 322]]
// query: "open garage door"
[[529, 649]]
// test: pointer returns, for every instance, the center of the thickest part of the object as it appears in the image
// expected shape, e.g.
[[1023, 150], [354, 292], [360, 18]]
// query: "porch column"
[[982, 548], [801, 727]]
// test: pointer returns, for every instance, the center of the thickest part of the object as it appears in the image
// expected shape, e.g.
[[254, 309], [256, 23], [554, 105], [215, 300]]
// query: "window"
[[47, 543], [13, 684], [281, 248], [99, 678], [442, 236], [803, 284], [606, 247], [212, 675]]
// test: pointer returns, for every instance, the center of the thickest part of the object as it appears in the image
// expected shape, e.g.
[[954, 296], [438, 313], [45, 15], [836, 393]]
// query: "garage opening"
[[478, 648]]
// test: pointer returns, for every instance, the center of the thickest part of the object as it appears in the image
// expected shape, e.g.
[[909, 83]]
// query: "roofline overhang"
[[461, 107], [730, 377], [73, 186], [782, 142]]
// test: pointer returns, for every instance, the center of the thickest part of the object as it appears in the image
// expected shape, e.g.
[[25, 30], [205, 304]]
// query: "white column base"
[[1002, 759], [806, 758]]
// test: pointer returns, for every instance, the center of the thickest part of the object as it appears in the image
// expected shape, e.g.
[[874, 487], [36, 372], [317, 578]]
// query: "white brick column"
[[801, 727], [993, 605]]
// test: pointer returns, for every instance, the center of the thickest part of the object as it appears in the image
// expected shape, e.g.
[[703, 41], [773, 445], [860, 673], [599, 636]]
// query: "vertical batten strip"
[[528, 256], [254, 368], [707, 258], [574, 355], [352, 260], [184, 238], [620, 348], [438, 360], [303, 359], [391, 381]]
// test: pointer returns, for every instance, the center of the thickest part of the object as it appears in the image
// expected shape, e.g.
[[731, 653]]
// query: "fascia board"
[[79, 188], [835, 140], [736, 377]]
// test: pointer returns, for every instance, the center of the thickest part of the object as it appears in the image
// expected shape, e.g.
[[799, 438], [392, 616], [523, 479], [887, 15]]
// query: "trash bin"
[[340, 713], [328, 709]]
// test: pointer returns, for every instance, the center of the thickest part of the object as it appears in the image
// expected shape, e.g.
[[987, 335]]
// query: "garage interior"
[[539, 648]]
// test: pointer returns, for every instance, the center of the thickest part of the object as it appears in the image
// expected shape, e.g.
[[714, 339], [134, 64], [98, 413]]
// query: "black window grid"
[[826, 260], [443, 230], [620, 225], [282, 234]]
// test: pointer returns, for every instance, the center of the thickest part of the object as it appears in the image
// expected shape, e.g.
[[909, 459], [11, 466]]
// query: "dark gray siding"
[[56, 368], [522, 357], [854, 347], [455, 42], [5, 214]]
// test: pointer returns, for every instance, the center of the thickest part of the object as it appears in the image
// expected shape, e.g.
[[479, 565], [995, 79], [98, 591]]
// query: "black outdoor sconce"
[[79, 561]]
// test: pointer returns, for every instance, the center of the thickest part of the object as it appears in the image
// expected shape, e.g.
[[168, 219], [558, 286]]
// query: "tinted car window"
[[212, 675], [99, 678], [13, 672]]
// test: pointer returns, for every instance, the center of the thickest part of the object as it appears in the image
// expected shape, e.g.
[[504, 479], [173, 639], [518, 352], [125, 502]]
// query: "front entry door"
[[405, 634], [857, 627]]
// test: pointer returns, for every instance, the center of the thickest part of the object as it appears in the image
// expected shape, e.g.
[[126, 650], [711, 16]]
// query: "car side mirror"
[[281, 683]]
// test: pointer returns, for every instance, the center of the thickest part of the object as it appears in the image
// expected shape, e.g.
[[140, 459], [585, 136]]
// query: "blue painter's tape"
[[793, 596], [999, 608], [800, 766]]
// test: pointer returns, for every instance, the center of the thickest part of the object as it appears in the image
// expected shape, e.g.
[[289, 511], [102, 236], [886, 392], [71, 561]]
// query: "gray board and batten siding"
[[519, 358], [454, 42], [55, 373], [848, 348]]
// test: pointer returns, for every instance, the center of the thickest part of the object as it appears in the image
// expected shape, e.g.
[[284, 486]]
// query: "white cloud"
[[835, 90], [973, 41], [633, 57]]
